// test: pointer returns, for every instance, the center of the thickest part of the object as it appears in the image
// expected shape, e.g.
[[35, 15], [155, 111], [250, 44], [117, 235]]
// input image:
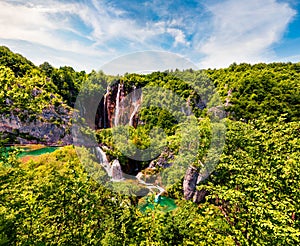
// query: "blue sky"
[[88, 34]]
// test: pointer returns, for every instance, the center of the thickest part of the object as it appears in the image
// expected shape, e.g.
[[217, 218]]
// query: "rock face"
[[51, 127], [116, 171], [191, 179], [118, 106], [164, 160], [190, 182], [199, 195]]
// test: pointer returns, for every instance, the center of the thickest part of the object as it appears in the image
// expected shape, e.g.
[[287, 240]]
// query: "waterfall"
[[136, 107], [103, 160], [114, 171], [104, 107], [135, 104], [117, 109]]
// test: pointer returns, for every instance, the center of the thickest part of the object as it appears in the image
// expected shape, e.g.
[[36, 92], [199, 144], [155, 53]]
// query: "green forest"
[[251, 197]]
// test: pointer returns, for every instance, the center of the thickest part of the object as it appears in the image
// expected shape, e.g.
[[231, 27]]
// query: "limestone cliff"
[[51, 127], [190, 191], [119, 105]]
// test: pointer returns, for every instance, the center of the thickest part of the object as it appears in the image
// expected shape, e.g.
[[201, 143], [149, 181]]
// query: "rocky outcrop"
[[51, 127], [199, 195], [164, 160], [190, 182], [119, 105], [191, 179], [116, 171]]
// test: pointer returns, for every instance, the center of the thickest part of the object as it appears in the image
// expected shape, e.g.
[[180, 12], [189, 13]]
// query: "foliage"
[[253, 194], [256, 184], [52, 200], [16, 62], [66, 80], [260, 90], [24, 96]]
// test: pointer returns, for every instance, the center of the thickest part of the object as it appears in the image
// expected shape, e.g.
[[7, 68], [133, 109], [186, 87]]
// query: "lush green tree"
[[256, 183], [16, 62], [260, 90]]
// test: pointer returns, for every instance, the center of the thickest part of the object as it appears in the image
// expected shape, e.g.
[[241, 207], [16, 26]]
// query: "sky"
[[210, 34]]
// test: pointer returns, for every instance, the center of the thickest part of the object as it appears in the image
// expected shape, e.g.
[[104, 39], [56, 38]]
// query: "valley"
[[183, 157]]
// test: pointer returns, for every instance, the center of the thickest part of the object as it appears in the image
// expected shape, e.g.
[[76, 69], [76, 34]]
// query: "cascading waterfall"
[[103, 160], [104, 107], [114, 171], [135, 104], [117, 109], [136, 107]]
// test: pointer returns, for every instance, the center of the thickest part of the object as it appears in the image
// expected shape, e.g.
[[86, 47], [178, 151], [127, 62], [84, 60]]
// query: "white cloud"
[[178, 35], [109, 23], [49, 24], [243, 31], [43, 31], [238, 31], [39, 24]]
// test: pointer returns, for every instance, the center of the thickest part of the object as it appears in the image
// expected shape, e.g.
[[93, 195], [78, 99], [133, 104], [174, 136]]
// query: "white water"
[[150, 186], [136, 105], [103, 160], [117, 109], [104, 107], [115, 172]]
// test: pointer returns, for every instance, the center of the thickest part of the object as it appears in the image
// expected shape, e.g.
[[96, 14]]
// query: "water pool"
[[166, 204], [32, 152], [37, 152]]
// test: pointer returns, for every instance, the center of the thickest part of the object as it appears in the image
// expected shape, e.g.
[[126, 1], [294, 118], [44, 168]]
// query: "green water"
[[37, 152], [165, 204], [27, 152]]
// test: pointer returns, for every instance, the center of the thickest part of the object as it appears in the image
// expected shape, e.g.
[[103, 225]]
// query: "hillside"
[[34, 108], [223, 144]]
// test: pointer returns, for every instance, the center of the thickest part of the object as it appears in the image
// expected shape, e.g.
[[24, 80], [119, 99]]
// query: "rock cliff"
[[190, 191], [51, 127], [118, 106]]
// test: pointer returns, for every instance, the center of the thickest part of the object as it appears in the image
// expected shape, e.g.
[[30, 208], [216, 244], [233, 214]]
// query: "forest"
[[244, 121]]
